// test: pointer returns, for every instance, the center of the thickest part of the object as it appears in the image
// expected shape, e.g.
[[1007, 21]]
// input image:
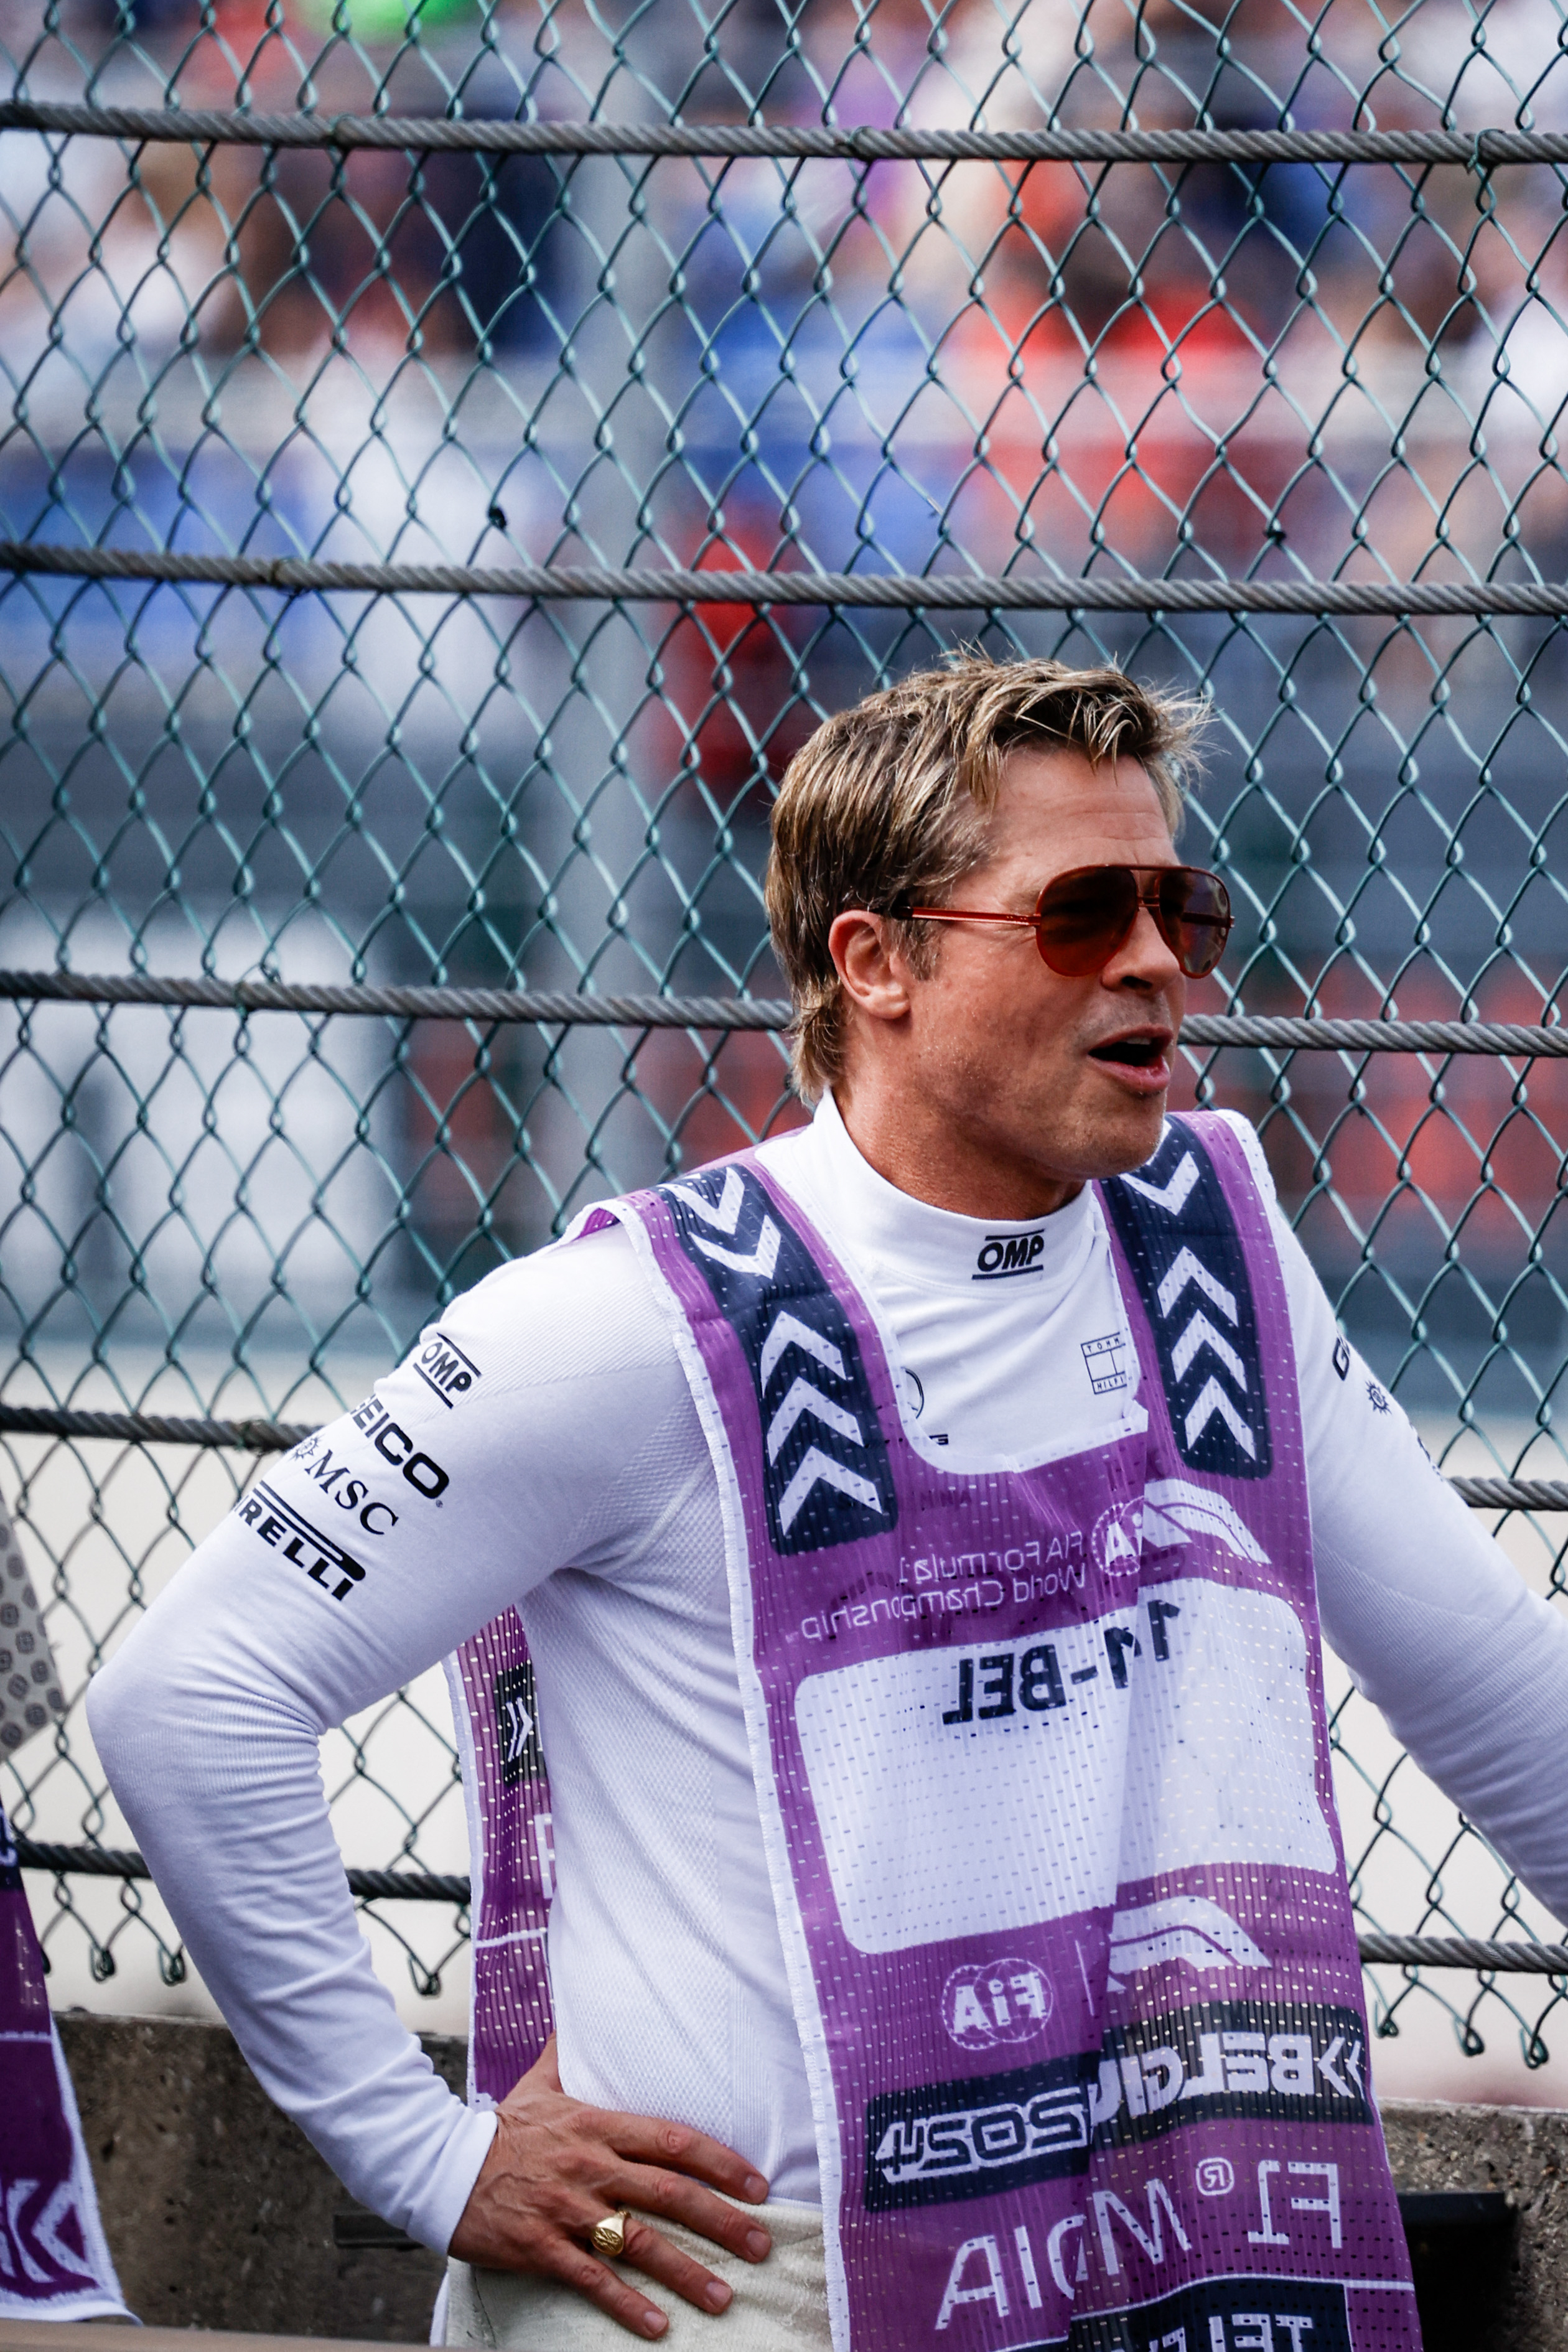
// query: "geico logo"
[[394, 1445], [978, 2139], [1005, 1254], [442, 1366]]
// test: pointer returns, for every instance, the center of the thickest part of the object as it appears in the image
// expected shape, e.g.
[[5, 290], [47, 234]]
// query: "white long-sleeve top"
[[547, 1453]]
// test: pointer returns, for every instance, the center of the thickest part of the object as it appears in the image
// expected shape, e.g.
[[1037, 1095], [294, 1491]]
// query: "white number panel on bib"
[[1167, 1734]]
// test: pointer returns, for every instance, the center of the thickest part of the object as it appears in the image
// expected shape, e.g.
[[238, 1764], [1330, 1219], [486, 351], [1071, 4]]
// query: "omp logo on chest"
[[445, 1370], [287, 1531], [1002, 1256]]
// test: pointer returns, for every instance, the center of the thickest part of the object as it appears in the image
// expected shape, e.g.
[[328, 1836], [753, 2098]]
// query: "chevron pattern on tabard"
[[1175, 1223], [825, 1472]]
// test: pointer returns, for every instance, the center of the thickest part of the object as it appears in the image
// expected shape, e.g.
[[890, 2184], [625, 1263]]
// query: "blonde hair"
[[889, 804]]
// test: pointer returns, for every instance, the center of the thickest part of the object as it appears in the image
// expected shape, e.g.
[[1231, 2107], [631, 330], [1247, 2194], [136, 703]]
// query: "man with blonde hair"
[[906, 1540]]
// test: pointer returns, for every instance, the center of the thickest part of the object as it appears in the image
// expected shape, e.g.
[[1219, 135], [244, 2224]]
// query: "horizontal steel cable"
[[954, 592], [424, 134], [258, 1435], [110, 1862], [1464, 1952], [547, 1009], [432, 1886], [251, 1436], [543, 1007]]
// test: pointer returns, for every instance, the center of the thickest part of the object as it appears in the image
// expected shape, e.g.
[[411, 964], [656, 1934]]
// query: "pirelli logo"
[[278, 1523]]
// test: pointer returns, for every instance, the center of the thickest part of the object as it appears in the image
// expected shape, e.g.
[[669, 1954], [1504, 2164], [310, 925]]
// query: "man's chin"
[[1126, 1138]]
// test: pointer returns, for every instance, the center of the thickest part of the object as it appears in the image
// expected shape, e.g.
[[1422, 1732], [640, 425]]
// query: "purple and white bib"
[[1043, 1771], [54, 2261]]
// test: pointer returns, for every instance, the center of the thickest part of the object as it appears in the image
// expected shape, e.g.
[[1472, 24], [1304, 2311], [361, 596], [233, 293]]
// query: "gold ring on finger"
[[609, 2236]]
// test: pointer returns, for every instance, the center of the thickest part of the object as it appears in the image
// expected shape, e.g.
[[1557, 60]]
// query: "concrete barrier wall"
[[220, 2212]]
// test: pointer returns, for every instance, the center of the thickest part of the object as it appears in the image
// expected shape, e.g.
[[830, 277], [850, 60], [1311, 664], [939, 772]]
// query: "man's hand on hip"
[[557, 2168]]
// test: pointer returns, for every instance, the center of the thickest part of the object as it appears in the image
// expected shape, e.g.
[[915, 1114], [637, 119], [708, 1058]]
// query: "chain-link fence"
[[379, 376]]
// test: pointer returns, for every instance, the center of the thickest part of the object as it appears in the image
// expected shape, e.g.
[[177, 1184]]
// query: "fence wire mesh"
[[1138, 371]]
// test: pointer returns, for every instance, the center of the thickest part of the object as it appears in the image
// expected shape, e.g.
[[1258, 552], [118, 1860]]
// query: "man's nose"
[[1143, 960]]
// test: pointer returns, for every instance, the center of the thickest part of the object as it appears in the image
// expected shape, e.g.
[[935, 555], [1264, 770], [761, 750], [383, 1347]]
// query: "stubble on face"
[[1010, 1086]]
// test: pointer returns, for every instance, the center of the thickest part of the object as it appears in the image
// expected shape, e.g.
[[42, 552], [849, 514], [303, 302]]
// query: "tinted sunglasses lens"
[[1082, 919], [1195, 915]]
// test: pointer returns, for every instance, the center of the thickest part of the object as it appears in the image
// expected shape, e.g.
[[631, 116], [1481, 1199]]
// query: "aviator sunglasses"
[[1083, 918]]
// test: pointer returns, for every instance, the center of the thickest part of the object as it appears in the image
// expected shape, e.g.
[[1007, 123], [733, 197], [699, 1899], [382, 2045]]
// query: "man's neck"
[[929, 1159]]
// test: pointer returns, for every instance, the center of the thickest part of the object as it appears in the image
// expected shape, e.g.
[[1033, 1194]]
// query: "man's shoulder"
[[1247, 1135], [578, 1309]]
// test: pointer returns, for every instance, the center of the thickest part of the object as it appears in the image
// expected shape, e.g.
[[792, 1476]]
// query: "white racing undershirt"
[[565, 1470]]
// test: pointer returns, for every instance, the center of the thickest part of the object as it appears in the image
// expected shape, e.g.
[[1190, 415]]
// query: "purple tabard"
[[1043, 1771], [511, 1860], [54, 2262]]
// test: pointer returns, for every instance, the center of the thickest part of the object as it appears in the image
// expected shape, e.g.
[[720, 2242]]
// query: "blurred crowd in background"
[[1297, 370]]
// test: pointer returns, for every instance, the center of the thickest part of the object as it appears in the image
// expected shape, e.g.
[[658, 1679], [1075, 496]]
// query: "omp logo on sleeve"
[[951, 2140], [324, 1561], [1175, 1223], [826, 1469], [1270, 2058], [445, 1370]]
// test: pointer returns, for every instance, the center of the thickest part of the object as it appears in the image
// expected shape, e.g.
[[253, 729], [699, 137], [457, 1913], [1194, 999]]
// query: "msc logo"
[[445, 1370], [1002, 1254], [825, 1473]]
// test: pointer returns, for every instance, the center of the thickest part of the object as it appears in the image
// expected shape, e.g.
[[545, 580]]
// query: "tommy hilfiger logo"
[[1004, 1254], [826, 1473], [1176, 1227]]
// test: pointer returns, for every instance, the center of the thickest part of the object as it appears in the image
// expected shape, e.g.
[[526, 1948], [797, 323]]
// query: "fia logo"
[[989, 2001]]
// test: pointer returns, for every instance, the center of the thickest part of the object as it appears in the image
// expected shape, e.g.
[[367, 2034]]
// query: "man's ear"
[[875, 974]]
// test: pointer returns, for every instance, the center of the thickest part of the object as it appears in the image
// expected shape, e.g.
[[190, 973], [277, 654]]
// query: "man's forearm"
[[226, 1800]]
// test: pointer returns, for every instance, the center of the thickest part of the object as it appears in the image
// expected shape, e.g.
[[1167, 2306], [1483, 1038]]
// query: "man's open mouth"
[[1135, 1053]]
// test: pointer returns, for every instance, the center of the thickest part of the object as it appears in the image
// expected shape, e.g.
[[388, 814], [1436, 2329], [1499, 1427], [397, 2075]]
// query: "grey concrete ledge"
[[219, 2211], [1524, 2152]]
